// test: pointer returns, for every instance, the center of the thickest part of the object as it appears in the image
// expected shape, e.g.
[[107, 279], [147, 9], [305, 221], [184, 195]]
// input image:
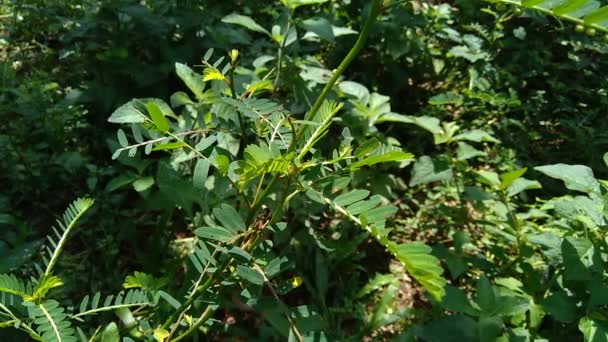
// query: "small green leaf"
[[320, 26], [245, 21], [214, 233], [201, 171], [222, 164], [161, 334], [507, 178], [157, 116], [351, 197], [489, 177], [180, 99], [143, 184], [206, 143], [522, 184], [392, 156], [193, 81], [366, 148], [229, 218], [427, 170], [122, 138], [250, 275], [110, 333], [169, 299], [169, 146]]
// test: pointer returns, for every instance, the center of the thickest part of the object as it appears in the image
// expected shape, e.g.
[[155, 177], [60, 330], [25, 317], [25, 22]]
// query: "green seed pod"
[[579, 28], [590, 32]]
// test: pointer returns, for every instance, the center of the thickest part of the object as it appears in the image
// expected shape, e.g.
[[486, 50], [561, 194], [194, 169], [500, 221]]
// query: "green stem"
[[354, 51], [233, 92], [280, 53], [204, 317]]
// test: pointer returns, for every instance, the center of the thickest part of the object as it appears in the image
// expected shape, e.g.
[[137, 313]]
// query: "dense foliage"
[[303, 170]]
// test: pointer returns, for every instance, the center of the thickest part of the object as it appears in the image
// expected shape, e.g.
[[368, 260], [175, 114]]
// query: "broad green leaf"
[[427, 170], [355, 89], [593, 330], [422, 265], [561, 306], [489, 328], [130, 112], [157, 116], [229, 218], [428, 123], [320, 26], [486, 295], [201, 171], [245, 21], [143, 184], [575, 177], [522, 184], [250, 275], [179, 99], [489, 177], [466, 151], [507, 178], [192, 80], [456, 300], [577, 254]]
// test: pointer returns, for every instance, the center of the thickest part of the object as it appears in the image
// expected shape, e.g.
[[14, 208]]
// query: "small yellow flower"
[[296, 282]]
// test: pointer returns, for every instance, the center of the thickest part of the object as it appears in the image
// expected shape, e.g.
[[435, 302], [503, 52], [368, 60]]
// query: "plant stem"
[[354, 51], [233, 92], [280, 53]]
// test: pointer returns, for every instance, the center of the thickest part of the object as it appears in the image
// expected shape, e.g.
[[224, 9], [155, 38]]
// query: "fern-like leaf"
[[259, 159], [371, 215], [12, 285], [51, 321], [131, 298], [583, 12], [417, 259], [322, 121], [70, 217], [254, 108]]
